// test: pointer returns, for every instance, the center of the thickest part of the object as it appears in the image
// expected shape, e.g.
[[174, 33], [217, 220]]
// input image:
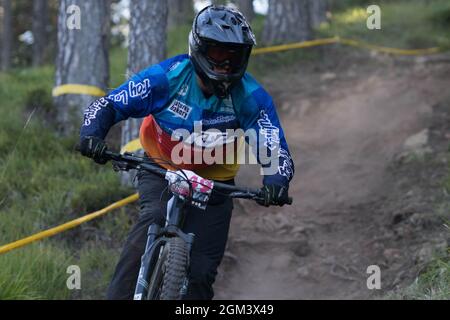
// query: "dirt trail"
[[344, 127]]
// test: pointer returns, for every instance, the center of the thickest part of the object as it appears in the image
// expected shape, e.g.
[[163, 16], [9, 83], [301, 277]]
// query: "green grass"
[[406, 24], [412, 24], [433, 283], [35, 272], [44, 183]]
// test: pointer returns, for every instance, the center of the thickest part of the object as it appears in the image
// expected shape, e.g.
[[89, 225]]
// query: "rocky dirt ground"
[[369, 136]]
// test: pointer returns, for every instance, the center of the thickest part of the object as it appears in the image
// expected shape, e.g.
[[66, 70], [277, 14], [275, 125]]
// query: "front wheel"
[[170, 272]]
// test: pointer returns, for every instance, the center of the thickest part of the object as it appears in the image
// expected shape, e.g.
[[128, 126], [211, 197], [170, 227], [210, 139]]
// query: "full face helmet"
[[220, 44]]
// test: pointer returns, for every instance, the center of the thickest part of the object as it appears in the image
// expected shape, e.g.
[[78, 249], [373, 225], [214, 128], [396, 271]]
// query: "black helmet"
[[220, 38]]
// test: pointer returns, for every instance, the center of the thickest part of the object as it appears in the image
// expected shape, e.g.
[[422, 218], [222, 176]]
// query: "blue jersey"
[[169, 94]]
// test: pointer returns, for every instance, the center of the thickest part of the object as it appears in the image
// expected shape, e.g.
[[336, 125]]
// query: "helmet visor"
[[226, 59]]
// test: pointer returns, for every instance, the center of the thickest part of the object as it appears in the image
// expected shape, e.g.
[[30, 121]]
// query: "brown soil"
[[356, 201]]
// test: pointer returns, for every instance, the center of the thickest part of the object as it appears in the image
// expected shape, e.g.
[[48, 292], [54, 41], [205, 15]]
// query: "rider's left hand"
[[274, 195]]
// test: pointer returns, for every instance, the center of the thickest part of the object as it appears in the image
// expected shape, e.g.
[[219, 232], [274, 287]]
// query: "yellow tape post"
[[68, 225], [78, 89], [132, 146]]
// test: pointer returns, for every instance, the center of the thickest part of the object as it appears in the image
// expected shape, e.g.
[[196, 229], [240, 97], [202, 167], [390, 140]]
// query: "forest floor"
[[369, 136]]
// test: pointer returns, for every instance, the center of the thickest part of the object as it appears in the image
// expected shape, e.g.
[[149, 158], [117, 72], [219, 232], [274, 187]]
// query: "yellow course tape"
[[78, 89], [66, 226], [132, 146], [296, 45], [350, 42], [95, 91]]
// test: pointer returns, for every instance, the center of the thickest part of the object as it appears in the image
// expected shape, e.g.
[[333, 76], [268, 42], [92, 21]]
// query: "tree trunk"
[[246, 7], [318, 12], [147, 46], [82, 56], [40, 9], [7, 35], [180, 12], [287, 21]]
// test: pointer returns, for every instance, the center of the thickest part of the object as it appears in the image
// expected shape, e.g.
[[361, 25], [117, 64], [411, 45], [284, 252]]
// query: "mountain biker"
[[208, 85]]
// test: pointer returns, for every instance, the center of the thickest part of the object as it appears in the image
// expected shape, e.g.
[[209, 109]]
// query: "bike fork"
[[141, 290], [174, 219]]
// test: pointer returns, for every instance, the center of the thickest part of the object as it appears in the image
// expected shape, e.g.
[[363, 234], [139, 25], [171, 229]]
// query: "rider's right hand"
[[274, 195], [95, 148]]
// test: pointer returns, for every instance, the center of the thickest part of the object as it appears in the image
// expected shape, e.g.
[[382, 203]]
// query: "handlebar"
[[129, 161]]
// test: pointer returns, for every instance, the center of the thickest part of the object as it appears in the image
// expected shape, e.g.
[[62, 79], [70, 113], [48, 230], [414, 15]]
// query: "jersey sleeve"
[[270, 146], [138, 97]]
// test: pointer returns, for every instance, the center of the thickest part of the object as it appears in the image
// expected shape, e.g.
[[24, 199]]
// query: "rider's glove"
[[94, 148], [274, 195]]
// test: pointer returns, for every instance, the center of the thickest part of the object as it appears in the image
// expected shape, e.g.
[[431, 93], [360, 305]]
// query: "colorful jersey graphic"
[[168, 97]]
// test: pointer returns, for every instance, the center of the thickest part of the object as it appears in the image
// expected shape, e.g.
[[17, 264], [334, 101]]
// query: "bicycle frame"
[[157, 238], [176, 209]]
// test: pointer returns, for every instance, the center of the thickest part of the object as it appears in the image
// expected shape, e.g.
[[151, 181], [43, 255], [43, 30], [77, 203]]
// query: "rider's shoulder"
[[170, 65], [165, 73], [249, 84], [251, 89], [175, 64]]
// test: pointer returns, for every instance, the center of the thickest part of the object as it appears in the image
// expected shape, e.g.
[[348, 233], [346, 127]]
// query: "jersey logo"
[[139, 89], [121, 97], [270, 132], [174, 66], [180, 109], [286, 168], [183, 91], [221, 119], [91, 111]]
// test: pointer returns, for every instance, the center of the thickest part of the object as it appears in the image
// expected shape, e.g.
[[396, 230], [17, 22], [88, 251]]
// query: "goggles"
[[228, 58]]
